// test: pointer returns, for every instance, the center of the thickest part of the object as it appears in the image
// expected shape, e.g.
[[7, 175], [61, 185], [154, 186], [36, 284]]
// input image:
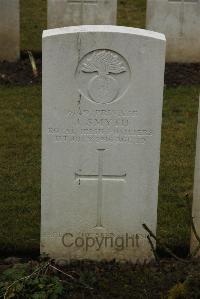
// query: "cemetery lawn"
[[20, 131], [20, 121]]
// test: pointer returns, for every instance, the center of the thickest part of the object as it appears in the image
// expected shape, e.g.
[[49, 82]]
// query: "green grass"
[[34, 15], [20, 115], [177, 164], [20, 126], [131, 13]]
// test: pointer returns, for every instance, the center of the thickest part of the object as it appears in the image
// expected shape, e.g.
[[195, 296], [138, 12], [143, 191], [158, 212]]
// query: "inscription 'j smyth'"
[[107, 122]]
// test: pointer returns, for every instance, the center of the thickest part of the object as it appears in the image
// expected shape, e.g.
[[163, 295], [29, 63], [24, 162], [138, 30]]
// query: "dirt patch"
[[182, 74], [21, 73]]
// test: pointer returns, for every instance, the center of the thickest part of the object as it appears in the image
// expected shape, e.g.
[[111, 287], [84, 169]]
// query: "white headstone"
[[179, 20], [102, 108], [9, 30], [196, 192], [63, 13]]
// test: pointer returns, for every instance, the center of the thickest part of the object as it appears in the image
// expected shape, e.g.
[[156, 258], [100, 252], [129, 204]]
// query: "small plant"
[[192, 284], [40, 280], [189, 289], [178, 292], [18, 282]]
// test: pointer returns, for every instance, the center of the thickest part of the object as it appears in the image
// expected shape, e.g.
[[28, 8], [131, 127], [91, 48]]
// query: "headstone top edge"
[[103, 28]]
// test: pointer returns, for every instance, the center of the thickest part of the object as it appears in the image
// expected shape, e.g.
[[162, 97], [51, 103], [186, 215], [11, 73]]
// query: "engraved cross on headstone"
[[100, 177]]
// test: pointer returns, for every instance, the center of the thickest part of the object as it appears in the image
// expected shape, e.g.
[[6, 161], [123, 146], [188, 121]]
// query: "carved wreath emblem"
[[102, 68]]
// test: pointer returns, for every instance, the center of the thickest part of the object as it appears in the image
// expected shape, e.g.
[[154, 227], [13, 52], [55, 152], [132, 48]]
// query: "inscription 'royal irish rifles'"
[[103, 76]]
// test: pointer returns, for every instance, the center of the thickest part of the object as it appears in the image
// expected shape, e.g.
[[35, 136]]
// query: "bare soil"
[[20, 73]]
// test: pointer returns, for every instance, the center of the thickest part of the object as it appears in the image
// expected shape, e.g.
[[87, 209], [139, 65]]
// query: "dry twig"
[[163, 245]]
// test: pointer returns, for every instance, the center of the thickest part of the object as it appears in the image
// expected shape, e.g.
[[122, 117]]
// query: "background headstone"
[[179, 20], [62, 13], [102, 109], [9, 30], [196, 191]]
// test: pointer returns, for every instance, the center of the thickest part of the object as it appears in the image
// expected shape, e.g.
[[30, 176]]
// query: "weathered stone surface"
[[196, 192], [179, 20], [62, 13], [102, 109], [9, 30]]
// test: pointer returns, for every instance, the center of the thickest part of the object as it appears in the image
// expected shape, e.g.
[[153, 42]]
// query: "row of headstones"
[[101, 134], [179, 20]]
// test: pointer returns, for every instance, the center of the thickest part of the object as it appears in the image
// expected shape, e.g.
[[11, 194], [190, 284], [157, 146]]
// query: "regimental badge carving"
[[103, 76]]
